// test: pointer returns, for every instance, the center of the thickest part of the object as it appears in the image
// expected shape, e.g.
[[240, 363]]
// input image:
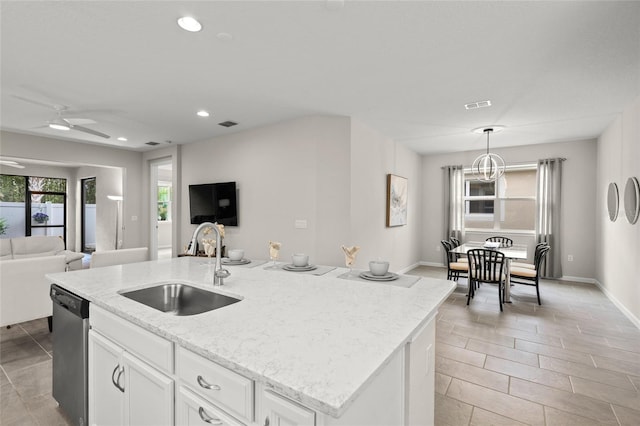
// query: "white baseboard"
[[619, 305], [408, 268], [576, 279], [434, 264]]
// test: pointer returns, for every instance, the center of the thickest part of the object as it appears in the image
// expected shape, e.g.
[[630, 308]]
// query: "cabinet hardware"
[[116, 379], [207, 418], [206, 385], [266, 421]]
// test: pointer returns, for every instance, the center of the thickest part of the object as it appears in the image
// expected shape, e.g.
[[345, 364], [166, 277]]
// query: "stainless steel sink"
[[180, 299]]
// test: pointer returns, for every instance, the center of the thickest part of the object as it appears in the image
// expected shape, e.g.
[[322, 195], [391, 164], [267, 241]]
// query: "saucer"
[[389, 276], [293, 268], [227, 261]]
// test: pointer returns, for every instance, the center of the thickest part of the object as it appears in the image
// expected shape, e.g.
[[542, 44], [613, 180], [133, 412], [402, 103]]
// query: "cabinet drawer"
[[193, 410], [218, 384], [153, 349]]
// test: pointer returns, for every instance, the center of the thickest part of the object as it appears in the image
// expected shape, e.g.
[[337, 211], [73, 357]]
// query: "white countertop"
[[316, 339]]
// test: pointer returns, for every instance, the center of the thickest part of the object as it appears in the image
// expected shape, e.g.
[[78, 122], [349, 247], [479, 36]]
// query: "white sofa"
[[118, 257], [24, 290]]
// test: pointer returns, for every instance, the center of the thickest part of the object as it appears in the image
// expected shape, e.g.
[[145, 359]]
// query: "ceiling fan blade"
[[79, 121], [31, 101], [90, 131]]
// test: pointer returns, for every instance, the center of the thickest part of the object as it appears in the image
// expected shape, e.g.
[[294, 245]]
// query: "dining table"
[[515, 251]]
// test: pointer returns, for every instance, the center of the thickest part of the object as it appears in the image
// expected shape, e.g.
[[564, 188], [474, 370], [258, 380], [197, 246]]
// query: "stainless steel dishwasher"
[[70, 357]]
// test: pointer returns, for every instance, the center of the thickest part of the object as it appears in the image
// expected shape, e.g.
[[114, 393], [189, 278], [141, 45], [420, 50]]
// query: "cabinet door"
[[105, 368], [278, 411], [194, 410], [148, 394]]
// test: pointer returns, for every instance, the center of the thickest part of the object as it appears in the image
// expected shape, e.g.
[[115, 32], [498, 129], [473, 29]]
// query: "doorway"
[[88, 215], [161, 217]]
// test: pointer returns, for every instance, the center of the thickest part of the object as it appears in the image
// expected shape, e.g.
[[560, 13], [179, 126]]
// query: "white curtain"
[[453, 202], [548, 213]]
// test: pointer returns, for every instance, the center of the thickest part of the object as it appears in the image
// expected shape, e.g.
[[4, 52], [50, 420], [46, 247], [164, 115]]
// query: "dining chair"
[[458, 256], [504, 241], [455, 269], [486, 266], [530, 265], [528, 276]]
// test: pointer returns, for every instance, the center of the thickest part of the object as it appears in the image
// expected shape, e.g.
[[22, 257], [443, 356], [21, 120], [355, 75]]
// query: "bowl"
[[300, 259], [236, 254], [378, 267]]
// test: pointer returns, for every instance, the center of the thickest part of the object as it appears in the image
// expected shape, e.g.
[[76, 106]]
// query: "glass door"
[[88, 215]]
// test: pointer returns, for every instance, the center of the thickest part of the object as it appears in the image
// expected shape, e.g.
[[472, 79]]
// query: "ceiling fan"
[[59, 122]]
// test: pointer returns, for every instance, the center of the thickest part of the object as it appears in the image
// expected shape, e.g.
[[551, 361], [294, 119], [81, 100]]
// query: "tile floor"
[[575, 360], [25, 376]]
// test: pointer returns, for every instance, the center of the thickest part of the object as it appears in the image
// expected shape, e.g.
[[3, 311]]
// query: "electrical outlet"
[[570, 258], [438, 247], [300, 224]]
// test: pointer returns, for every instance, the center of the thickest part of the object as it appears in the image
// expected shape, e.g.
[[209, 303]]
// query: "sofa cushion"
[[39, 245], [5, 249]]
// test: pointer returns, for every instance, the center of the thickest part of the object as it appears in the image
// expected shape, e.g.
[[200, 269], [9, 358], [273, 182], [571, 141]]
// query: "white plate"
[[389, 276], [227, 261], [293, 268]]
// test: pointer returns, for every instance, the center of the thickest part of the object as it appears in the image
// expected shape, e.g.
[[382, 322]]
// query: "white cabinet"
[[124, 389], [278, 411], [216, 384], [192, 410]]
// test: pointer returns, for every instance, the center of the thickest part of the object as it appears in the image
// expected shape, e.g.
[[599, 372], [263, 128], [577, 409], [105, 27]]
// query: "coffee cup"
[[300, 259], [236, 254], [378, 267]]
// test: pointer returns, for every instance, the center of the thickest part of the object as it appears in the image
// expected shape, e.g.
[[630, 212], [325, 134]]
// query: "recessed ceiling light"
[[188, 23], [122, 139], [202, 113]]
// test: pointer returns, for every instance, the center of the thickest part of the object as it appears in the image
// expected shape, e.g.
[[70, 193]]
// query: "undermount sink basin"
[[180, 299]]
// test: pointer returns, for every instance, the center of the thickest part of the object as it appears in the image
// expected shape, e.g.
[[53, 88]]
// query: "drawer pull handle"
[[206, 385], [207, 418]]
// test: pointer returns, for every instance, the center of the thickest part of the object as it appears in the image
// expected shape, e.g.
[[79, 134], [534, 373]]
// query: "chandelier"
[[488, 167]]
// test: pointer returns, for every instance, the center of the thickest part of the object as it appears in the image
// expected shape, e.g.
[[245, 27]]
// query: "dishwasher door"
[[70, 357]]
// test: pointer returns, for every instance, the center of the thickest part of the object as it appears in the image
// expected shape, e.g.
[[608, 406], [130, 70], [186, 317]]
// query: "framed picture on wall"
[[397, 196]]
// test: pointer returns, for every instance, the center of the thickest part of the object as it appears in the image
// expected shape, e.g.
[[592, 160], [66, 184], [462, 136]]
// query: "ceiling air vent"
[[151, 143], [227, 124], [478, 104]]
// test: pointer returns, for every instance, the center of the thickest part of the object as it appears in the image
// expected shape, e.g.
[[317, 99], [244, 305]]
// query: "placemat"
[[405, 281], [320, 270]]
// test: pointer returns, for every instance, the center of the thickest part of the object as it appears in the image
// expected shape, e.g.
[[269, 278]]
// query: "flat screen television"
[[213, 202]]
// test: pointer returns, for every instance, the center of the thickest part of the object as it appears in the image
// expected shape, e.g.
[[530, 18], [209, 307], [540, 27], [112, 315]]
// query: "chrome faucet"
[[220, 273]]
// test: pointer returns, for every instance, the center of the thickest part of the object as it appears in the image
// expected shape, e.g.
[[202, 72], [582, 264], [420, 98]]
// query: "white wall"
[[108, 182], [618, 243], [73, 154], [373, 156], [328, 171], [578, 201], [297, 170]]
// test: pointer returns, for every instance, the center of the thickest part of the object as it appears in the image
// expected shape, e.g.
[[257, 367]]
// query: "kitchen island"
[[339, 351]]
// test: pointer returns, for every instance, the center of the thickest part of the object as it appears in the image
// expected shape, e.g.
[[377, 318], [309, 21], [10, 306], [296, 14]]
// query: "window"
[[164, 201], [31, 205], [509, 204]]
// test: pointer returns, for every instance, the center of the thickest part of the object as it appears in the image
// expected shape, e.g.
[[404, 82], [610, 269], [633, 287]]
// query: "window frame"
[[498, 207]]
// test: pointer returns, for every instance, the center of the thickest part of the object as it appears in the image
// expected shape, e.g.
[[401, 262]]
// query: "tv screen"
[[214, 202]]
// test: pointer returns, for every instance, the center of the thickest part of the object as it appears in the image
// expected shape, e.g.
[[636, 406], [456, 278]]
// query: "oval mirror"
[[632, 199], [613, 201]]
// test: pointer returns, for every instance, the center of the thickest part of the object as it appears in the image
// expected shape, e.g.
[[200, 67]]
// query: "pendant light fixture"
[[488, 167]]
